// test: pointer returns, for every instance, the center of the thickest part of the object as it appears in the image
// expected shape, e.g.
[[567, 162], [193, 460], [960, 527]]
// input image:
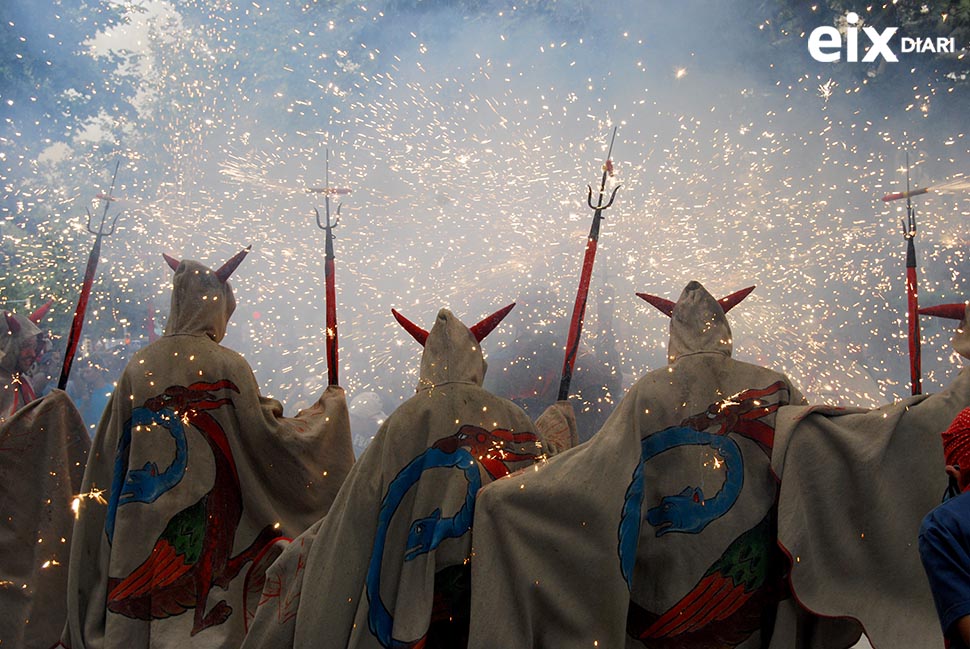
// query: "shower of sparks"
[[467, 150], [97, 495], [826, 89]]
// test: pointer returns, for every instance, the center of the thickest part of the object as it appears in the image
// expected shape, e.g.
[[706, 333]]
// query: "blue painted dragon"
[[463, 450]]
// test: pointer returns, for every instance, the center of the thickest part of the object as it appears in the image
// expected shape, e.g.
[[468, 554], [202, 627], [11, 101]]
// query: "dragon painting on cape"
[[388, 567], [199, 476], [659, 531]]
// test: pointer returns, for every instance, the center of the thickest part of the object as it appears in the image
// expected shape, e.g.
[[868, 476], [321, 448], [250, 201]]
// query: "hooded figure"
[[43, 449], [855, 486], [388, 566], [659, 531], [197, 475], [18, 351]]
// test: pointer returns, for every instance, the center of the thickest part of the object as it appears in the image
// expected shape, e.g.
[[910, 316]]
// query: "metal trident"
[[912, 295], [82, 303], [579, 308], [329, 276]]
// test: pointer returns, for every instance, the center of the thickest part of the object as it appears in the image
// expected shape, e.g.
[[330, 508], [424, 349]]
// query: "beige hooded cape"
[[855, 485], [43, 449], [388, 559], [199, 476], [659, 531]]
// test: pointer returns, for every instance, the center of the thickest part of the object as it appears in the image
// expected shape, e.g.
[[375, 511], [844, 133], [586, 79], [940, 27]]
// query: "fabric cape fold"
[[388, 566], [43, 450], [201, 475]]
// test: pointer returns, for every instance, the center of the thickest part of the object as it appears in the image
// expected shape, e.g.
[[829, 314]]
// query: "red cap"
[[956, 441]]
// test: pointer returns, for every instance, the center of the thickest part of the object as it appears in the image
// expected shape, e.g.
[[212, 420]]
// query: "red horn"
[[41, 311], [951, 311], [230, 266], [12, 325], [172, 262], [486, 326], [732, 300], [665, 306], [417, 332]]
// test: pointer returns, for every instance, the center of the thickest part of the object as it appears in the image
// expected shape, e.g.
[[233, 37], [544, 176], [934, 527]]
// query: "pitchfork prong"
[[101, 231], [612, 196], [328, 225], [111, 230], [600, 207], [90, 216], [909, 225]]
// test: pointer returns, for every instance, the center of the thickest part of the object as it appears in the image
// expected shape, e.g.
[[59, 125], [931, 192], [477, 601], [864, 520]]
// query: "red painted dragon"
[[194, 552]]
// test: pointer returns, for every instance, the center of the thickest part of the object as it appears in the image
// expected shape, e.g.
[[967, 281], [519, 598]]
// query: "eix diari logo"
[[825, 44]]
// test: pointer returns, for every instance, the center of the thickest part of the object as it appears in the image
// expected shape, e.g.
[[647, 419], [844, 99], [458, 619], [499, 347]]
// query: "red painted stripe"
[[700, 609], [915, 365], [734, 607], [213, 429], [579, 308], [716, 611], [143, 574], [673, 615], [170, 572], [77, 324], [331, 333]]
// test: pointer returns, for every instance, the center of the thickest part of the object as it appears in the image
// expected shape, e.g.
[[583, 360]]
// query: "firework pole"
[[579, 308], [329, 276], [959, 184], [82, 303], [912, 297]]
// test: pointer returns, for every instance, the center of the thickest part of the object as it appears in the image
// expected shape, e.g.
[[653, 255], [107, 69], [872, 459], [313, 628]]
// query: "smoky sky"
[[467, 133]]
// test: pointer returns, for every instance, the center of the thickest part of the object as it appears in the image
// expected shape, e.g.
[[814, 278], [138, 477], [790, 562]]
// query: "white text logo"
[[825, 44]]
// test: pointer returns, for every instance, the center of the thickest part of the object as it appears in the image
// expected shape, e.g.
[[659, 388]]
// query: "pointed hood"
[[452, 353], [698, 324], [15, 331], [202, 303]]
